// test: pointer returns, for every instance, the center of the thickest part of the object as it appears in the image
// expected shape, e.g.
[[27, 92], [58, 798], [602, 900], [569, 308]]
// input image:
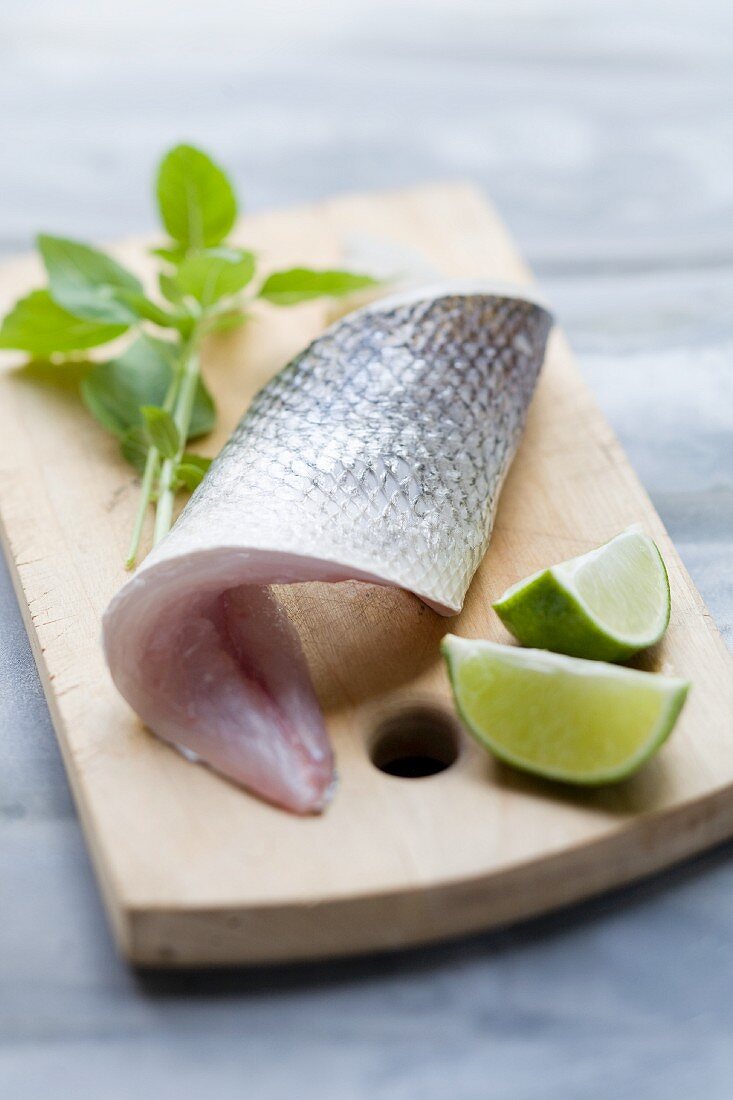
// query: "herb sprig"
[[151, 394]]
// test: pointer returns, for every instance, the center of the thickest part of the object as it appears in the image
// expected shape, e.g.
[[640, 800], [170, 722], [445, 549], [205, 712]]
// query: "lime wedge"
[[605, 605], [561, 717]]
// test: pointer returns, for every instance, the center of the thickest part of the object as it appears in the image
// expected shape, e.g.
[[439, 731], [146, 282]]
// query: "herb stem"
[[189, 377], [146, 487]]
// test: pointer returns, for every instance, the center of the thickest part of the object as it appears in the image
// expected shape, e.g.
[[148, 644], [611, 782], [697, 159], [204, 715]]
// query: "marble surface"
[[603, 131]]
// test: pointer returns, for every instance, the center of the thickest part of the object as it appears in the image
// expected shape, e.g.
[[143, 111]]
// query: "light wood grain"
[[195, 871]]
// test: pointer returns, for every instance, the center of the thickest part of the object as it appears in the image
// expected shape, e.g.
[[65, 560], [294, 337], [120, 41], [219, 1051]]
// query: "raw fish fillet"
[[377, 455]]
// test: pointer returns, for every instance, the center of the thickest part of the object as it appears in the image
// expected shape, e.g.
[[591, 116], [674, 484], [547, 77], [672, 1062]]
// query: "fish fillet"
[[377, 455]]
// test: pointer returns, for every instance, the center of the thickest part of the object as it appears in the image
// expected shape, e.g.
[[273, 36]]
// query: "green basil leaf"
[[161, 429], [191, 470], [203, 415], [172, 254], [88, 283], [143, 309], [134, 447], [192, 459], [67, 373], [38, 325], [300, 284], [225, 321], [195, 198], [215, 273], [170, 289], [114, 391]]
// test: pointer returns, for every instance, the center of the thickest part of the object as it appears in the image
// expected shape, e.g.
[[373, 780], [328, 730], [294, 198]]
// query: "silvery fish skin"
[[377, 454]]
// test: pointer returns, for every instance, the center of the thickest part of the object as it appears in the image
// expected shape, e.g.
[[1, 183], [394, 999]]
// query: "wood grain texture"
[[195, 871]]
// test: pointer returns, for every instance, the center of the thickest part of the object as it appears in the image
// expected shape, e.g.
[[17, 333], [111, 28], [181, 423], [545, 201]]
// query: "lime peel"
[[564, 718], [605, 605]]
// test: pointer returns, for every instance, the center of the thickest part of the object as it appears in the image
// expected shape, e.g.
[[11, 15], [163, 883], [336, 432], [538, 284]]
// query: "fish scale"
[[434, 410], [377, 454]]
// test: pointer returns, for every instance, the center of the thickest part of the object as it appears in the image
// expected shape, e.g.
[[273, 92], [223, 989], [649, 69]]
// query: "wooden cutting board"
[[196, 871]]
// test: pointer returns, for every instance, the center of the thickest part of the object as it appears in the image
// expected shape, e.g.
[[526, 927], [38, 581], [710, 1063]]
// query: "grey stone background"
[[604, 132]]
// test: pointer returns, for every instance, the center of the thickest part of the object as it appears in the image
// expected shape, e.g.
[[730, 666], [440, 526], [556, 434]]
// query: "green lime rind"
[[545, 612], [611, 719]]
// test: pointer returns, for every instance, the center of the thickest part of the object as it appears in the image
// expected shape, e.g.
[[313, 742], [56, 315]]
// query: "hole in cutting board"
[[415, 743]]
